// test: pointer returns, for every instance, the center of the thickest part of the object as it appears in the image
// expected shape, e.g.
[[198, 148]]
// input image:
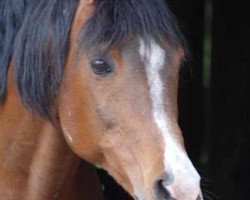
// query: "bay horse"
[[97, 80]]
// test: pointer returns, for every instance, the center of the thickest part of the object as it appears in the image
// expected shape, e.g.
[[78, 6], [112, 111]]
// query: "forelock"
[[114, 20]]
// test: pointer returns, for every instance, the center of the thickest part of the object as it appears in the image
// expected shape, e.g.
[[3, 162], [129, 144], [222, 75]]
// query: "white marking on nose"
[[175, 158]]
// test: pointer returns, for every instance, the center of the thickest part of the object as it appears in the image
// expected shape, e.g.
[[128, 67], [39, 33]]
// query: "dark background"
[[214, 97]]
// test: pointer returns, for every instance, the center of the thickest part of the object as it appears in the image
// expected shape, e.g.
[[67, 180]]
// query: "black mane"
[[11, 18], [114, 20], [34, 34]]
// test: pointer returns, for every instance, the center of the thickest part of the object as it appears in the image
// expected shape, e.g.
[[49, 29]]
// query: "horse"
[[95, 80]]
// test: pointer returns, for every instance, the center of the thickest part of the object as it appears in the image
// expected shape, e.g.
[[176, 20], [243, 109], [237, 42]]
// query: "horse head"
[[118, 100]]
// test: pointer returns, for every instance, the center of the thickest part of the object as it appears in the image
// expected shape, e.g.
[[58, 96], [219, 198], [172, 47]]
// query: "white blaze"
[[176, 160]]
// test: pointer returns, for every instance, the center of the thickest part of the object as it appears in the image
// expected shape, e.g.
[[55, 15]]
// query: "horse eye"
[[100, 67]]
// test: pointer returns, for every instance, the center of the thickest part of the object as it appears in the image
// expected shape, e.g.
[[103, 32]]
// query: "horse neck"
[[34, 157], [52, 163]]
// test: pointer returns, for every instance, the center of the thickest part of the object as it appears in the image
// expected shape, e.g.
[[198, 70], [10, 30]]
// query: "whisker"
[[206, 192], [206, 197]]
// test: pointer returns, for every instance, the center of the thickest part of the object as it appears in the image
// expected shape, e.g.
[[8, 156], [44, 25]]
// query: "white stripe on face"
[[176, 160]]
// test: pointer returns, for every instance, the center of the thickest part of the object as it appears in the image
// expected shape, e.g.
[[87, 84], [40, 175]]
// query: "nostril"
[[165, 183], [161, 191]]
